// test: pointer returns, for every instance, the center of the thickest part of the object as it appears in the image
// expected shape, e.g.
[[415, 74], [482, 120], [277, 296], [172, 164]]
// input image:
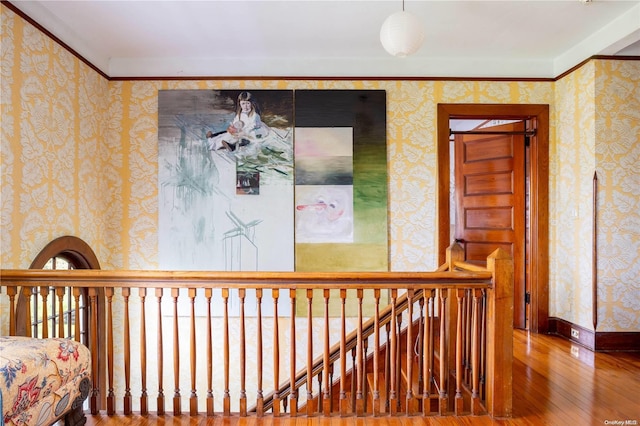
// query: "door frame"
[[538, 198]]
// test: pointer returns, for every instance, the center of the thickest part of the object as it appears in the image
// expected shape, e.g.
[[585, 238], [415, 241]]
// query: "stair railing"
[[129, 381]]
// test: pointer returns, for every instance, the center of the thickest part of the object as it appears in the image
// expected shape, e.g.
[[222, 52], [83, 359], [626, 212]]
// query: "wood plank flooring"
[[555, 383]]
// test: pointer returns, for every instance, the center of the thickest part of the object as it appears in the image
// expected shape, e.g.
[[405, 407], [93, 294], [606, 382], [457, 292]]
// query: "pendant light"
[[401, 34]]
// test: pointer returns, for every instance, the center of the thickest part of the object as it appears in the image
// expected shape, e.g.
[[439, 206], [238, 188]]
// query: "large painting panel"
[[341, 180], [225, 178]]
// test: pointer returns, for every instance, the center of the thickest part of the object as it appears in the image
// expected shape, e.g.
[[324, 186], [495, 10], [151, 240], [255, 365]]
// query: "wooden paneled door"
[[490, 195], [535, 243]]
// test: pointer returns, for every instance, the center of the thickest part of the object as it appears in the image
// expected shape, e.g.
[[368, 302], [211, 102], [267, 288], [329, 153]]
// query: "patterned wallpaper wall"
[[54, 114], [411, 123], [597, 130], [572, 167], [79, 156], [617, 155]]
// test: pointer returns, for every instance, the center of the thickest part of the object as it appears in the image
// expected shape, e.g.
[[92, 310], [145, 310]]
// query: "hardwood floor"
[[555, 383]]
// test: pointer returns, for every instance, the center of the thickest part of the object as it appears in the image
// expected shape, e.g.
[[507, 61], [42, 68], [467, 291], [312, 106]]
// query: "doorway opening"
[[524, 216]]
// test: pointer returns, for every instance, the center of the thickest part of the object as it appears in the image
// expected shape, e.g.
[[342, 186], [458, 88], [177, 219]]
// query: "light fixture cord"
[[403, 5]]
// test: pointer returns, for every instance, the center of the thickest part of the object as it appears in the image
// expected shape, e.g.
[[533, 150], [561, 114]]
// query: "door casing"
[[539, 192]]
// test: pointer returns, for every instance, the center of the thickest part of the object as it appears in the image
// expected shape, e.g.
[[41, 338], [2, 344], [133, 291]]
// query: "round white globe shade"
[[401, 34]]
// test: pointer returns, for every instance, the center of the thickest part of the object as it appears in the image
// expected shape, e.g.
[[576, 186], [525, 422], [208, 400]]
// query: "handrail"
[[264, 280], [470, 267]]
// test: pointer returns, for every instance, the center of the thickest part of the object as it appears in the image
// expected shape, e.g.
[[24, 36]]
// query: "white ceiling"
[[537, 39]]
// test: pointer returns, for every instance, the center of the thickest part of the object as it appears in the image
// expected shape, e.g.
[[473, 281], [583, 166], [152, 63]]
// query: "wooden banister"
[[457, 338], [233, 280]]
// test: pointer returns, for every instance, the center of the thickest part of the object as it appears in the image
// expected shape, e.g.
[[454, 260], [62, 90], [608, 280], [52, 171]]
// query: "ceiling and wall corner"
[[275, 38]]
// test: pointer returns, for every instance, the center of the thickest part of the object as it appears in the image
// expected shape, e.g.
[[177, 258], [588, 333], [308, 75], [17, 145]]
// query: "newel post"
[[499, 380], [454, 253]]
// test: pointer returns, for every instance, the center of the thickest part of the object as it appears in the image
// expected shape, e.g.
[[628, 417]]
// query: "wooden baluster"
[[44, 293], [343, 354], [54, 314], [310, 407], [393, 400], [467, 341], [387, 368], [293, 395], [111, 402], [420, 348], [354, 373], [177, 404], [459, 402], [36, 312], [126, 292], [276, 355], [359, 361], [27, 292], [11, 292], [426, 406], [326, 397], [432, 343], [411, 408], [210, 407], [476, 407], [160, 398], [193, 398], [461, 316], [376, 353], [259, 397], [320, 378], [365, 395], [428, 351], [144, 399], [462, 306], [243, 360], [94, 401], [331, 386], [226, 398], [483, 344], [398, 381], [60, 291], [76, 325], [444, 354]]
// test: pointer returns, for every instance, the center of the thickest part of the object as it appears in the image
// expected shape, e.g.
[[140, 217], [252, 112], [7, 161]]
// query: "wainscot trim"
[[600, 341]]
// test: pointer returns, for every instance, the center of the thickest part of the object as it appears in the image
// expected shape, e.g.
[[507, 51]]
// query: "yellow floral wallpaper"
[[597, 130], [617, 160], [572, 167], [79, 156], [54, 109]]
